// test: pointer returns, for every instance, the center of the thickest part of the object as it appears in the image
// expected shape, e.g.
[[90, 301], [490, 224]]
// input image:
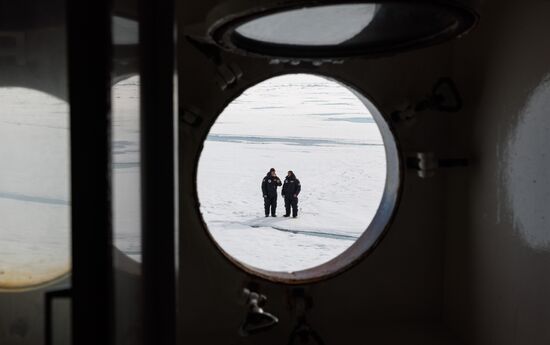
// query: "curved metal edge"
[[375, 231], [220, 30]]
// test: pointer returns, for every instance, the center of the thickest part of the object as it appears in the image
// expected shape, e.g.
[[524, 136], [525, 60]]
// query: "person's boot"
[[286, 215], [273, 215]]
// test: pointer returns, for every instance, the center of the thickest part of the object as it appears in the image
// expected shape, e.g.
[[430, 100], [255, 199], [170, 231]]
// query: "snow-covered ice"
[[126, 164], [34, 182], [34, 187], [303, 123], [322, 132]]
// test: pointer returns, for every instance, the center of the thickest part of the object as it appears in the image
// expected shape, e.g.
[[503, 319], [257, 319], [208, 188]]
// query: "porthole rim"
[[224, 22], [355, 253]]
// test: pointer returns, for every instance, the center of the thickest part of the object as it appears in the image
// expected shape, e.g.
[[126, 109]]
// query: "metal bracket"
[[426, 163], [257, 319], [227, 74], [444, 98], [190, 116]]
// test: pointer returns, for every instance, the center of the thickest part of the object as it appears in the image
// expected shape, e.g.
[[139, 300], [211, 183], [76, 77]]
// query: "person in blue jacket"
[[291, 189], [269, 191]]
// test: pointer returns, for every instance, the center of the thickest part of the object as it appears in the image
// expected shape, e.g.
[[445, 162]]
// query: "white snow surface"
[[34, 187], [298, 122], [126, 165], [321, 131]]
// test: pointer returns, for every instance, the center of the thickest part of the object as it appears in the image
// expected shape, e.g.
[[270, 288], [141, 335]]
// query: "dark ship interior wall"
[[497, 218], [466, 259]]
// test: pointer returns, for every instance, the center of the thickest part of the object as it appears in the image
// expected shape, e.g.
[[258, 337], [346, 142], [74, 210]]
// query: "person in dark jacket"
[[291, 189], [269, 191]]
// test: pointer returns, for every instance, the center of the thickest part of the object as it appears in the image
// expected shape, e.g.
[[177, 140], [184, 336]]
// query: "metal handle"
[[257, 319]]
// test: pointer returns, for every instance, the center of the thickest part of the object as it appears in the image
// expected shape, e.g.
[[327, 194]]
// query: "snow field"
[[303, 123], [322, 132]]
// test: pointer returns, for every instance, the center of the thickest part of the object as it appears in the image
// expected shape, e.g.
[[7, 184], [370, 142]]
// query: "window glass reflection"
[[126, 168], [316, 26], [34, 187]]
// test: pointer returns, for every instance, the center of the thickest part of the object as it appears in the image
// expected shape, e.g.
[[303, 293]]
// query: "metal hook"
[[256, 319]]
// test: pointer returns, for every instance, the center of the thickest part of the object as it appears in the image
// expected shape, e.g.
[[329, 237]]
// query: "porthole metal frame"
[[53, 282], [222, 30], [375, 231]]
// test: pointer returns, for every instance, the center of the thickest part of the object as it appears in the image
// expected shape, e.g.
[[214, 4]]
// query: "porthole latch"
[[227, 74], [257, 319], [443, 98], [190, 117], [426, 163]]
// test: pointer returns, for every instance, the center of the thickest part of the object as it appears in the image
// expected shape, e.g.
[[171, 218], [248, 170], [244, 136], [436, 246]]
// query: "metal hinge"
[[228, 74], [257, 319]]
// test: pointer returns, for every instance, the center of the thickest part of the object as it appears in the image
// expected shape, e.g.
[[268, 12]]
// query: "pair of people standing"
[[291, 189]]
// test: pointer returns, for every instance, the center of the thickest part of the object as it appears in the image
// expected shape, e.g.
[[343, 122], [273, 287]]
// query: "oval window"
[[34, 188], [292, 174]]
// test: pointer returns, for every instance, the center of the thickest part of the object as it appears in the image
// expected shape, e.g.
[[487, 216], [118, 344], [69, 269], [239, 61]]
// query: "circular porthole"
[[34, 188], [336, 178], [306, 30]]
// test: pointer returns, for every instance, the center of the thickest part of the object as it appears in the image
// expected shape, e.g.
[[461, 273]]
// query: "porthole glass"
[[321, 131], [34, 188], [302, 26], [313, 30], [126, 168]]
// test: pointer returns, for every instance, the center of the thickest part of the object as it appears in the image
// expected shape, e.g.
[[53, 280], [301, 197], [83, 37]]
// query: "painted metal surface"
[[526, 161], [497, 259], [466, 260]]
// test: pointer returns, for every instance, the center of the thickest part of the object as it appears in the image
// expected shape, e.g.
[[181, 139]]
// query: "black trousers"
[[270, 202], [291, 202]]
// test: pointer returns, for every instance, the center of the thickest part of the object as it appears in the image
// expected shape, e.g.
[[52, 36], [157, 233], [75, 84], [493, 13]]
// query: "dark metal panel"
[[89, 53], [157, 161]]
